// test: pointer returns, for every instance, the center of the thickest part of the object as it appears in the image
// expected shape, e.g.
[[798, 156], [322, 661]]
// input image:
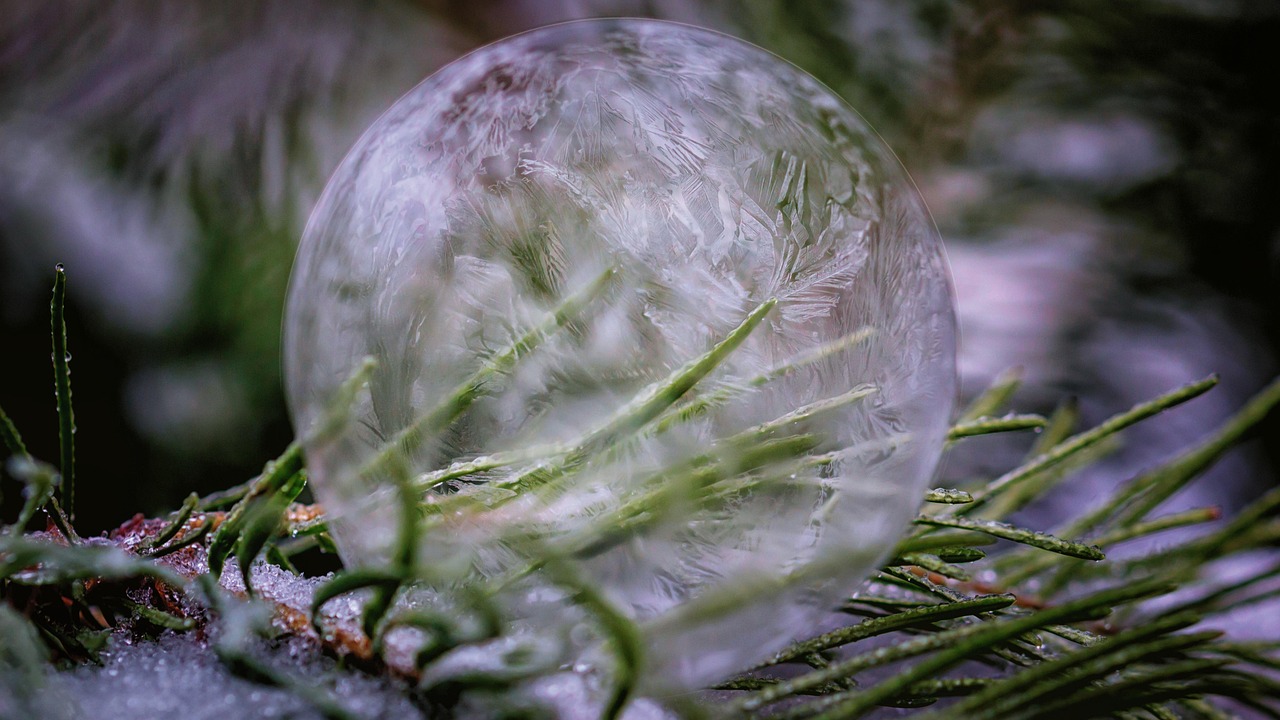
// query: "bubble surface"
[[657, 319]]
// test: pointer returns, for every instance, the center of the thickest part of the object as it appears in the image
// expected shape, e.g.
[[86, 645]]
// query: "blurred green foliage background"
[[1106, 175]]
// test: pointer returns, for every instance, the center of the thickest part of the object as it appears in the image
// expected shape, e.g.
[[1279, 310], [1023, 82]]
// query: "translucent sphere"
[[654, 314]]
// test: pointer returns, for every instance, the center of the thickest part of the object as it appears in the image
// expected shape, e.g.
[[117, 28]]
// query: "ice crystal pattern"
[[651, 308]]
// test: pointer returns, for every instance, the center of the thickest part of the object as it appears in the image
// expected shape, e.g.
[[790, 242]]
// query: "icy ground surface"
[[179, 676]]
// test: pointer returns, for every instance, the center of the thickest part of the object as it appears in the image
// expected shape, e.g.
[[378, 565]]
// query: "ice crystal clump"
[[180, 676], [563, 252]]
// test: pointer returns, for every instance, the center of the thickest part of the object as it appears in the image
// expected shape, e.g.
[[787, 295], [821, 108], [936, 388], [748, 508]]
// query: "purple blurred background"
[[1105, 175]]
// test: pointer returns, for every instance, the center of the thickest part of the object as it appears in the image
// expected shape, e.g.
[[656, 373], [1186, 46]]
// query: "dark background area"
[[1105, 175]]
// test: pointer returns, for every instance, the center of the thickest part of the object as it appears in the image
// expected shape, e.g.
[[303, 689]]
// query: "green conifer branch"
[[939, 608]]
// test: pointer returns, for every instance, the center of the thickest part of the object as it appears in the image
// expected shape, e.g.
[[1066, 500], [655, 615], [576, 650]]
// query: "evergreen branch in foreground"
[[1042, 626]]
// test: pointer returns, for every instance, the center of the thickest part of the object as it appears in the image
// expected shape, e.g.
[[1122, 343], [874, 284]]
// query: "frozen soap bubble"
[[654, 313]]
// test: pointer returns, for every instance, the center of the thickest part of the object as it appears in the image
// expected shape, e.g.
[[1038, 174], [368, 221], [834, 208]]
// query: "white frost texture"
[[561, 251]]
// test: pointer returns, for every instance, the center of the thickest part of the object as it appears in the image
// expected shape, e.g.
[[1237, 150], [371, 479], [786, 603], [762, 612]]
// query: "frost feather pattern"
[[711, 179]]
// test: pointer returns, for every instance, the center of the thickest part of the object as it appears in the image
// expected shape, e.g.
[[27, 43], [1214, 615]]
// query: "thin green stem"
[[994, 398], [949, 647], [1060, 426], [62, 388], [933, 564], [1018, 570], [177, 523], [992, 425], [621, 632], [10, 436], [932, 540], [647, 405], [191, 538], [988, 635], [915, 617], [637, 413], [1085, 439], [1005, 531], [1144, 493], [1075, 668], [409, 440], [1126, 533], [699, 406], [275, 476]]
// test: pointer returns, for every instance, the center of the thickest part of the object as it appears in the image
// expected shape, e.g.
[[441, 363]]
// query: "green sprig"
[[1079, 442], [1005, 531], [62, 388]]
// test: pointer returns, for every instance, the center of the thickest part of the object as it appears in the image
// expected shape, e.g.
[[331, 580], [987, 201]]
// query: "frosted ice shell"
[[708, 176]]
